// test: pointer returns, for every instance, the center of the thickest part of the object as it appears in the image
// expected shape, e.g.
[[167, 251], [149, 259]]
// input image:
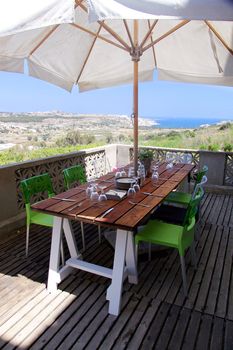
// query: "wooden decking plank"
[[167, 330], [16, 328], [192, 331], [215, 281], [148, 285], [177, 337], [228, 212], [216, 342], [108, 321], [132, 325], [143, 326], [223, 211], [216, 209], [81, 294], [80, 327], [51, 314], [230, 223], [228, 338], [207, 212], [224, 291], [63, 335], [230, 289], [119, 325], [156, 326], [195, 289], [209, 272], [203, 337]]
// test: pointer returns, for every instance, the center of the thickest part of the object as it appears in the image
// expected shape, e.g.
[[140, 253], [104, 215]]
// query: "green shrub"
[[228, 147]]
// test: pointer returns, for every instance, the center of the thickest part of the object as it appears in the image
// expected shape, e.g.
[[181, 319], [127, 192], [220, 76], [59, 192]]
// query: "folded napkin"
[[116, 194]]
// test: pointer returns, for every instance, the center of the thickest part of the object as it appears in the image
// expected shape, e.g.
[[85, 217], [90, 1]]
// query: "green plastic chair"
[[76, 174], [30, 187], [180, 237], [183, 197]]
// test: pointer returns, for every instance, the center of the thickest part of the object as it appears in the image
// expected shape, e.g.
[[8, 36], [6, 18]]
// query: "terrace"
[[154, 314]]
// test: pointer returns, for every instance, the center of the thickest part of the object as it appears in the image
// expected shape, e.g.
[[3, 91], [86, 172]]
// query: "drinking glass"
[[131, 172], [131, 191], [155, 175], [123, 173], [136, 186], [102, 196], [94, 195]]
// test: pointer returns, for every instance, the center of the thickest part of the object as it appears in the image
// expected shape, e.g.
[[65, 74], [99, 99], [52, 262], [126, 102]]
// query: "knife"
[[106, 212], [64, 199]]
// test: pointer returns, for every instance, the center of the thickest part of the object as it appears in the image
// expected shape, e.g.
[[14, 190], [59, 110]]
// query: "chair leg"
[[182, 262], [193, 256], [83, 237], [99, 233], [27, 241]]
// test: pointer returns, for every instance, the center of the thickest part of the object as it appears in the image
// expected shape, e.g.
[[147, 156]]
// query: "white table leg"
[[68, 231], [55, 254], [115, 290], [131, 264]]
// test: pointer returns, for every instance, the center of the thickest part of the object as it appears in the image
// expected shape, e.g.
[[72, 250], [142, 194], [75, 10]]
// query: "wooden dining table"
[[125, 217]]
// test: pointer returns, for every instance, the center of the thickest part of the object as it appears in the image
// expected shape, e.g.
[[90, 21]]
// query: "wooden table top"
[[124, 215]]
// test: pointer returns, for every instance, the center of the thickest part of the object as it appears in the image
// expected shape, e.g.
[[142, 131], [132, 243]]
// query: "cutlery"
[[106, 212], [64, 199], [148, 193], [75, 206], [141, 204]]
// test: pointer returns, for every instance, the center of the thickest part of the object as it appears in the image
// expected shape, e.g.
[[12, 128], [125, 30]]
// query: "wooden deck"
[[154, 314]]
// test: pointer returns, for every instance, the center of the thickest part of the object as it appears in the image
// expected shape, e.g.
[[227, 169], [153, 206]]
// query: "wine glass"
[[136, 186], [131, 172], [155, 175], [169, 159], [94, 195], [131, 191], [123, 173], [102, 196]]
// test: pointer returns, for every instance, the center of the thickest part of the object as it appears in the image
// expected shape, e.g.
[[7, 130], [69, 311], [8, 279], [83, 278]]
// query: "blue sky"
[[19, 93]]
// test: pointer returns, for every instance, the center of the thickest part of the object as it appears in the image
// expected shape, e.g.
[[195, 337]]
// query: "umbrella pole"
[[135, 98]]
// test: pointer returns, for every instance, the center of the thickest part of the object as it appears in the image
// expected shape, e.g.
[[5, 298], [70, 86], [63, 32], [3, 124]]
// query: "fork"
[[141, 204], [75, 206]]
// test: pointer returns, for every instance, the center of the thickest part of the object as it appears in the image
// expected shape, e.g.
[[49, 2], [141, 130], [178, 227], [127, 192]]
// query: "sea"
[[180, 123]]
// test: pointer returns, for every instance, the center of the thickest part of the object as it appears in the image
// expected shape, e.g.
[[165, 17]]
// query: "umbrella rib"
[[98, 36], [153, 48], [110, 31], [171, 31], [219, 37], [149, 33], [128, 32], [88, 55], [43, 40]]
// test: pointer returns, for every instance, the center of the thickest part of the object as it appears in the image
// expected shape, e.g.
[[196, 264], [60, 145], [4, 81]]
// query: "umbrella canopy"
[[100, 54]]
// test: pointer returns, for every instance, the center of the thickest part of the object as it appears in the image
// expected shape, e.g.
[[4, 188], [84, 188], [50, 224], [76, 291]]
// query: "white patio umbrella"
[[125, 42]]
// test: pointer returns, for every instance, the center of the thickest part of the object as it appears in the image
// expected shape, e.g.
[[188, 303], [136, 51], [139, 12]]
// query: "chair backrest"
[[200, 174], [73, 174], [36, 184], [198, 185], [193, 206]]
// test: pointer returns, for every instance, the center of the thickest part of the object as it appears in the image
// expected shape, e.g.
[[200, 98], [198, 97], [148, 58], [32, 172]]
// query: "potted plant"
[[146, 156]]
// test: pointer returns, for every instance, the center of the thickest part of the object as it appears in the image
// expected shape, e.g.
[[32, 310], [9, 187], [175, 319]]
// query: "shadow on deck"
[[154, 312]]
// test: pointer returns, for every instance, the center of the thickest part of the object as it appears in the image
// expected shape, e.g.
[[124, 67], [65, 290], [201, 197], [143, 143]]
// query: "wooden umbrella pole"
[[135, 97]]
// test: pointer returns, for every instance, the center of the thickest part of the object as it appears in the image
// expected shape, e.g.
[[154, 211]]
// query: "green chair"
[[180, 237], [183, 197], [31, 187], [72, 175]]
